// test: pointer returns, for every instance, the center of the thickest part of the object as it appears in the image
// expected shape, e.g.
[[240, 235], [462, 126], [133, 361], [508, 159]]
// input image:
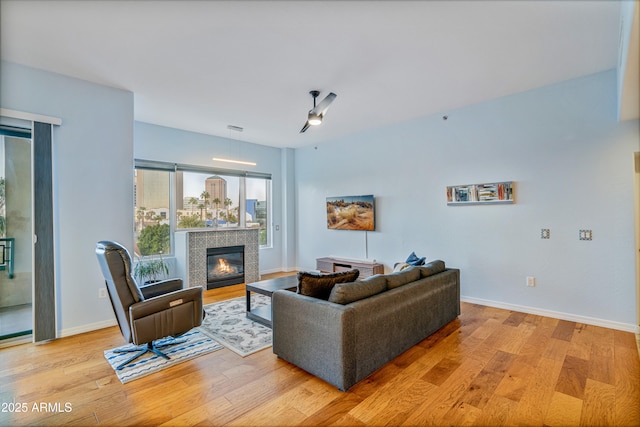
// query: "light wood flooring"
[[489, 367]]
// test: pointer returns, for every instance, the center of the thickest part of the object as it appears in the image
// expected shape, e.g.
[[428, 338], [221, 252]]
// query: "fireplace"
[[225, 266]]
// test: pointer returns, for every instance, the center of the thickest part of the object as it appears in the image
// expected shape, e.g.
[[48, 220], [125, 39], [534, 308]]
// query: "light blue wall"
[[160, 143], [571, 160], [572, 163], [288, 210], [93, 180]]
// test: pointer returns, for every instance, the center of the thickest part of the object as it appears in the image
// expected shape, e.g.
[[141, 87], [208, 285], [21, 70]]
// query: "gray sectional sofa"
[[363, 324]]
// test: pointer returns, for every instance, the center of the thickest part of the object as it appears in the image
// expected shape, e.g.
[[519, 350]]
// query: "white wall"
[[92, 179], [160, 143], [572, 163]]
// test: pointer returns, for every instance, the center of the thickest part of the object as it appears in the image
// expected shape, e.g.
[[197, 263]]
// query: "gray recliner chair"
[[147, 313]]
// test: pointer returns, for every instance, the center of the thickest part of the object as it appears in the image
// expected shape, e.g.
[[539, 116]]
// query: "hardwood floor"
[[489, 367]]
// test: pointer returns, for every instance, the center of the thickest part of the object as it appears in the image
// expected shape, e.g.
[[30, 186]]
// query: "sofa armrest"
[[160, 288], [316, 335], [170, 314]]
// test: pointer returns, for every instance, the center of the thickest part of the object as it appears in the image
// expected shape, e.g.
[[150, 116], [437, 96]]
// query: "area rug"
[[227, 323], [196, 344]]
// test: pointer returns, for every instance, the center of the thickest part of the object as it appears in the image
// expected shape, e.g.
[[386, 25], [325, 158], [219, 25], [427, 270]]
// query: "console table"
[[331, 265]]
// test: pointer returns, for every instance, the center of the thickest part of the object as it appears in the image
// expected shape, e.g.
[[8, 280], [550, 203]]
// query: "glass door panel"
[[16, 234]]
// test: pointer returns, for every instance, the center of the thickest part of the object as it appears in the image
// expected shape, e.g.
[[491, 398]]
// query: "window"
[[171, 197], [208, 200], [152, 235], [258, 192]]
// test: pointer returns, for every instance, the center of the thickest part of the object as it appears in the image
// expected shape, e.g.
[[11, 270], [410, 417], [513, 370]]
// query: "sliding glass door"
[[16, 234]]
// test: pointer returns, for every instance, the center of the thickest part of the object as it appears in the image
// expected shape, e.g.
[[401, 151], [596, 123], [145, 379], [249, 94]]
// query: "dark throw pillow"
[[320, 285]]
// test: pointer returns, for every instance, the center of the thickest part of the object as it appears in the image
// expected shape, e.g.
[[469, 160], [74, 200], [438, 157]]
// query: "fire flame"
[[224, 267]]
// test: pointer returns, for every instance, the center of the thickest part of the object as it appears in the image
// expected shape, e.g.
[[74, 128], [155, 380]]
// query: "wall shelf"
[[481, 194]]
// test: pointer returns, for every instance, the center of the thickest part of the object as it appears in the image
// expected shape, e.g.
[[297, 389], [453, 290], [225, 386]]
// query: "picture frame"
[[351, 213]]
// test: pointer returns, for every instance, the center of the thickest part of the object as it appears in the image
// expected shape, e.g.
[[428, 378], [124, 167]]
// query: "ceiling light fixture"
[[316, 114], [239, 162], [314, 119]]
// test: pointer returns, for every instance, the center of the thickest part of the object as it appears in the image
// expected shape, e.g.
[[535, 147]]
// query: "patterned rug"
[[227, 323], [196, 345]]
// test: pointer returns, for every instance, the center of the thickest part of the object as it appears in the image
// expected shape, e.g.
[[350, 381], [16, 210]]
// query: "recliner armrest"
[[171, 314], [168, 301], [160, 288]]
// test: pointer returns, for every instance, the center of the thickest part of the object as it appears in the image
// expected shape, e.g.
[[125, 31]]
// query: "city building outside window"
[[257, 207], [208, 200], [152, 235], [169, 199]]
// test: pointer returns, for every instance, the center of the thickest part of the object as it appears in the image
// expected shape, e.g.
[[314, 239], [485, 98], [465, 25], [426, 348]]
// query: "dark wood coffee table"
[[267, 287]]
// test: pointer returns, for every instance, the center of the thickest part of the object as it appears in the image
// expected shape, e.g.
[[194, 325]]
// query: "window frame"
[[269, 212], [170, 207], [172, 168]]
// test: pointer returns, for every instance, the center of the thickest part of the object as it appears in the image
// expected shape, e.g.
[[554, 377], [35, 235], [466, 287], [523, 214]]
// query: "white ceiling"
[[204, 65]]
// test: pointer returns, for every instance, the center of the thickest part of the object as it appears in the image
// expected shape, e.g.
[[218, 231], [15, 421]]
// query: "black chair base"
[[149, 347]]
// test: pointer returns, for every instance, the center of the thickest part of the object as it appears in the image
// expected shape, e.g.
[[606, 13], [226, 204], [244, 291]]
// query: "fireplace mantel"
[[191, 252]]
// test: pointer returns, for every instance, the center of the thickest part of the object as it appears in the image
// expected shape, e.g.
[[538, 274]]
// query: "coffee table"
[[267, 287]]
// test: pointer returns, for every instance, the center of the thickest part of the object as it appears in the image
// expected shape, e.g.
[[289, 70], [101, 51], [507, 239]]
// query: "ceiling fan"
[[318, 111]]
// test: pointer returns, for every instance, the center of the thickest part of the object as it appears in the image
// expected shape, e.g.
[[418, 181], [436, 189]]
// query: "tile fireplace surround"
[[191, 252]]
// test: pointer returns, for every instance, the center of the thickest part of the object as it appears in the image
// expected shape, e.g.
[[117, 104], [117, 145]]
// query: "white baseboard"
[[87, 328], [627, 327]]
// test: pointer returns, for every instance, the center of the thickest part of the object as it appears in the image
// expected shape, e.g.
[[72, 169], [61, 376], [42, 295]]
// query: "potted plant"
[[150, 270]]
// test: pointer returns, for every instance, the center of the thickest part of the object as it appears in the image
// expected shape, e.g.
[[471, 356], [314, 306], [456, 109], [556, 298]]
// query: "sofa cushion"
[[434, 267], [320, 285], [345, 293], [403, 277]]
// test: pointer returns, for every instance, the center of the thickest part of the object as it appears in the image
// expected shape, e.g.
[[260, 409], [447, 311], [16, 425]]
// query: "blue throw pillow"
[[414, 260]]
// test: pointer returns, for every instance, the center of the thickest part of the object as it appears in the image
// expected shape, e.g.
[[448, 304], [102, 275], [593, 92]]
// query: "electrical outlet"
[[102, 293], [531, 281]]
